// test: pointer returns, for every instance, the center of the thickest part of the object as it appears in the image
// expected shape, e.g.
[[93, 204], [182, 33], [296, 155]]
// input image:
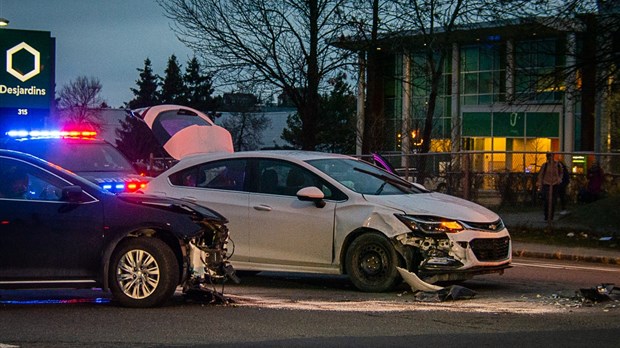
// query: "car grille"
[[491, 249], [485, 226]]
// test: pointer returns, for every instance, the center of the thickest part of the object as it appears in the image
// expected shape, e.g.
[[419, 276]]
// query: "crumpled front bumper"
[[207, 257], [455, 256]]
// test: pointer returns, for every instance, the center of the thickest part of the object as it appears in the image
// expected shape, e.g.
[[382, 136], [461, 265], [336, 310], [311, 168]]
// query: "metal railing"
[[495, 178]]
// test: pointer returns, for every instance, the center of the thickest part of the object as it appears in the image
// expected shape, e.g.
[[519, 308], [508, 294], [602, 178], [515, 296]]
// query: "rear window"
[[169, 123]]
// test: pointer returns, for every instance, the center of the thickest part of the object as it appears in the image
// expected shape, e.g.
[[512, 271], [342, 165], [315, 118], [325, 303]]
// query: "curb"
[[558, 255]]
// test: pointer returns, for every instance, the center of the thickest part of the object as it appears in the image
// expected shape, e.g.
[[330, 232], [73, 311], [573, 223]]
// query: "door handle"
[[262, 207]]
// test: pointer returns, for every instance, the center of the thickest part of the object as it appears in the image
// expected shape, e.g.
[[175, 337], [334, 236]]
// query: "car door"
[[286, 230], [43, 237], [219, 185]]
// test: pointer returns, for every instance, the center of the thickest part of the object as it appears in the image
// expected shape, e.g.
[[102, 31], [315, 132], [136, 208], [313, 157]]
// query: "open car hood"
[[184, 131]]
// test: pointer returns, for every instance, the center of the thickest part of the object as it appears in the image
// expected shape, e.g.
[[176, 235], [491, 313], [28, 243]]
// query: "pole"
[[550, 205]]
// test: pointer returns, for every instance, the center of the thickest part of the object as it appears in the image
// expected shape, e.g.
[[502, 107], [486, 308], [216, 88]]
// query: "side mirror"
[[312, 194], [71, 194]]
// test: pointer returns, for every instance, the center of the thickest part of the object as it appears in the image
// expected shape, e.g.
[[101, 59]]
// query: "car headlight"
[[430, 224]]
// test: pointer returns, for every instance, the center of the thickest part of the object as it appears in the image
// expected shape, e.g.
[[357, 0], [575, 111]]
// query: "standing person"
[[563, 187], [548, 181], [595, 182]]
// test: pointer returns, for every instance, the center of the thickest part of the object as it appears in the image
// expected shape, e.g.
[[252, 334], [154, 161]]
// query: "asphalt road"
[[532, 304]]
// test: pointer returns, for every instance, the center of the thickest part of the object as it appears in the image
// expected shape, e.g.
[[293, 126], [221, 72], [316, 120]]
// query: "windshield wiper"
[[389, 179], [380, 189]]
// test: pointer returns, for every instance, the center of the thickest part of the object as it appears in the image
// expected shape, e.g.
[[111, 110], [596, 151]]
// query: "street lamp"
[[3, 22]]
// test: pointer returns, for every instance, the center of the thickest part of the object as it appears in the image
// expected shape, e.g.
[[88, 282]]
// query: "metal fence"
[[502, 178]]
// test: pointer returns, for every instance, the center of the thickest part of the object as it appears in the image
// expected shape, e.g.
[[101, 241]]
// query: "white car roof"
[[295, 155]]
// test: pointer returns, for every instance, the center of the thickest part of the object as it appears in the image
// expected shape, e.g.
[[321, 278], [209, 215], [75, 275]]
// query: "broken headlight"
[[430, 224]]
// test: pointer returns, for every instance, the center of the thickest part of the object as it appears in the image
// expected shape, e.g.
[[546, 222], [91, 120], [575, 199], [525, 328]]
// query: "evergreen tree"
[[146, 94], [173, 89], [335, 122], [337, 119], [135, 140], [199, 87]]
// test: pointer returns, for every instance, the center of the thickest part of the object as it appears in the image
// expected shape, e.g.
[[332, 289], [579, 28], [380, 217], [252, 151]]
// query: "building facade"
[[519, 86]]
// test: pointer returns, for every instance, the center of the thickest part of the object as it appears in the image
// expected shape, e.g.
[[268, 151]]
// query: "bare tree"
[[246, 128], [79, 103], [281, 43]]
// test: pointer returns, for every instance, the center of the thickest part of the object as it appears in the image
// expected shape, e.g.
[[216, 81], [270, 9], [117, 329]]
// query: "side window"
[[187, 177], [283, 178], [221, 175], [23, 181]]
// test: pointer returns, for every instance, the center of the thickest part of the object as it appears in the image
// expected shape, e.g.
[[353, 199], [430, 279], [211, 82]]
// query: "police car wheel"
[[144, 272]]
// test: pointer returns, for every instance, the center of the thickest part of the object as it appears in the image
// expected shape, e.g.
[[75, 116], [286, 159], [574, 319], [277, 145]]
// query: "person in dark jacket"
[[563, 187], [596, 177], [14, 184]]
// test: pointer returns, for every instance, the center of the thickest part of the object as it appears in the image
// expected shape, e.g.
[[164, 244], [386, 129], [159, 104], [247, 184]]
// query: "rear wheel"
[[371, 263], [143, 273]]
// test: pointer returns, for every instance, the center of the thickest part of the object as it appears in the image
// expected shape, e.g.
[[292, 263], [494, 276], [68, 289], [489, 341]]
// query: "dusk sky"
[[106, 39]]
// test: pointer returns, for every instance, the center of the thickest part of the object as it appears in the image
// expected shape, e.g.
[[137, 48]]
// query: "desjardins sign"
[[26, 74]]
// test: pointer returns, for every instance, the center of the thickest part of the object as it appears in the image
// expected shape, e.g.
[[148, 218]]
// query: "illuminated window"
[[482, 74], [538, 75]]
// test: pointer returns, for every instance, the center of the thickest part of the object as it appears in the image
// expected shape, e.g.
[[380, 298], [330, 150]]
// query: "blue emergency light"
[[50, 133]]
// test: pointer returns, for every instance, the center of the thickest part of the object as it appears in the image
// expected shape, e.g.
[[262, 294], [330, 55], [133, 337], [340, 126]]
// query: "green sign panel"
[[26, 77], [511, 124]]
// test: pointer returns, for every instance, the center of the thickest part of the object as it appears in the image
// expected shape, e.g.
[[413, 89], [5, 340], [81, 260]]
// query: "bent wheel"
[[143, 272], [371, 263]]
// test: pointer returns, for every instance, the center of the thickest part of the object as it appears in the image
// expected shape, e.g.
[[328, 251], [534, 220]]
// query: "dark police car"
[[59, 230], [82, 153]]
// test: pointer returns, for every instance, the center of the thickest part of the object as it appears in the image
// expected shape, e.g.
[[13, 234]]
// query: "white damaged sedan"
[[302, 211]]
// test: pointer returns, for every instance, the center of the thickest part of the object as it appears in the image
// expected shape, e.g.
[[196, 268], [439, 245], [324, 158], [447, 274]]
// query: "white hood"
[[436, 204], [184, 131]]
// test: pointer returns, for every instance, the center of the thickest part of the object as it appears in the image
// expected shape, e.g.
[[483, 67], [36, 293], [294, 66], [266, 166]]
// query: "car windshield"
[[362, 177], [85, 156]]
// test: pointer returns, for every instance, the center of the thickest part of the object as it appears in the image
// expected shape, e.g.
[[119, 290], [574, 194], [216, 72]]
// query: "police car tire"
[[144, 272]]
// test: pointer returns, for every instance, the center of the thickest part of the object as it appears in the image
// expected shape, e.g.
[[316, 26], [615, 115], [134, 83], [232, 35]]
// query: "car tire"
[[144, 272], [371, 263]]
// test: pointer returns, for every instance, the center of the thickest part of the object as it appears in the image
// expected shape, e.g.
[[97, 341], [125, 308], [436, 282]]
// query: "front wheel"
[[143, 272], [371, 263]]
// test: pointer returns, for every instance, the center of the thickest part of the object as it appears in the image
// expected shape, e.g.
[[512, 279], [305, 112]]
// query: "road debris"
[[426, 292], [601, 293]]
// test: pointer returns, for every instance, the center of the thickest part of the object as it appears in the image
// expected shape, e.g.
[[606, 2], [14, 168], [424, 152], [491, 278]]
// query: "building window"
[[538, 65], [420, 91], [483, 74]]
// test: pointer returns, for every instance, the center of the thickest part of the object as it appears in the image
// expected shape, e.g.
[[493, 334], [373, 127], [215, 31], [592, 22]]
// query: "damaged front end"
[[207, 258], [440, 249]]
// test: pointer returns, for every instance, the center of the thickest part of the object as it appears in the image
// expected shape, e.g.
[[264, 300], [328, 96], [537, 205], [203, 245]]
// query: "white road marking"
[[567, 267], [482, 305]]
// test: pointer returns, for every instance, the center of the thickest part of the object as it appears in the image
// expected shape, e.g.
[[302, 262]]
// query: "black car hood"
[[172, 204]]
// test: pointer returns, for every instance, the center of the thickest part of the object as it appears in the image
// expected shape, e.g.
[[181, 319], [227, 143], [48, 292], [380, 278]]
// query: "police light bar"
[[51, 134], [123, 187]]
